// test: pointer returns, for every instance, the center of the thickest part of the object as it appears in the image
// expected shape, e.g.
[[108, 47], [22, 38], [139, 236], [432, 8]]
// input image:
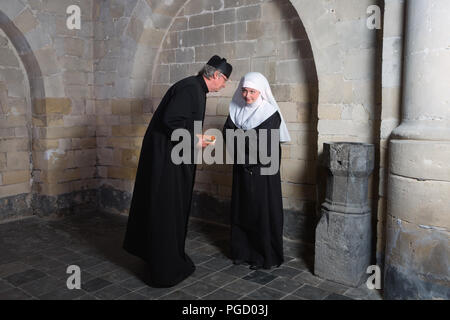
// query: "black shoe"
[[238, 262]]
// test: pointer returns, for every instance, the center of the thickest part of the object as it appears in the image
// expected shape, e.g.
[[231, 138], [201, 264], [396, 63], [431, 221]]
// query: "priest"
[[161, 202]]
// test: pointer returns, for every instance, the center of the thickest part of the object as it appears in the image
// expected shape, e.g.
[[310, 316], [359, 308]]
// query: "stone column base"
[[343, 246]]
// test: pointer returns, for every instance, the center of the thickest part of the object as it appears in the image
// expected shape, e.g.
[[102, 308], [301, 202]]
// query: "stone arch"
[[22, 95], [27, 56], [148, 31]]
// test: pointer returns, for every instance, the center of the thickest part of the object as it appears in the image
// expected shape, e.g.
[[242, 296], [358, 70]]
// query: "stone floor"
[[35, 254]]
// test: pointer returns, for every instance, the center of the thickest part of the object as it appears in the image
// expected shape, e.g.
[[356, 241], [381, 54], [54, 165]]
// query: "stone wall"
[[15, 142], [59, 69]]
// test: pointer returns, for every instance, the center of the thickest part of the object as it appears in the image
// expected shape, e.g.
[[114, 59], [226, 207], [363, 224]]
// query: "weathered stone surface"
[[15, 206], [64, 204], [343, 235]]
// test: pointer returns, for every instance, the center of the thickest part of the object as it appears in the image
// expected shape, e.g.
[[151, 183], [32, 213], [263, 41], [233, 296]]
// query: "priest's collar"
[[203, 83]]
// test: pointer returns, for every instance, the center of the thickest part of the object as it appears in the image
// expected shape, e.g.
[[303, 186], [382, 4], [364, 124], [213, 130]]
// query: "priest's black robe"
[[256, 206], [161, 202]]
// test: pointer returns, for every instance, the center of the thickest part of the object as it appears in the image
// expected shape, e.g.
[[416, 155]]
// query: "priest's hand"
[[204, 140], [202, 143]]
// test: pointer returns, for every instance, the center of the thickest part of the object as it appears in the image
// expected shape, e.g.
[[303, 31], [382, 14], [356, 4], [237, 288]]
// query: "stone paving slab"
[[38, 251]]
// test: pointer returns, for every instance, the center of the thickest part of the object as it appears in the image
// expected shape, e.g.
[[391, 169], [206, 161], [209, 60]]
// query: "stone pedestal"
[[343, 235]]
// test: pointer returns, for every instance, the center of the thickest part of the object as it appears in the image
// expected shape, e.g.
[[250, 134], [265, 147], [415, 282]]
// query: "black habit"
[[161, 202], [256, 206]]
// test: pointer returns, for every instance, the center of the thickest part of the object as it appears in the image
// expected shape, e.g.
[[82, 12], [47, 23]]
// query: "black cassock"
[[256, 207], [161, 202]]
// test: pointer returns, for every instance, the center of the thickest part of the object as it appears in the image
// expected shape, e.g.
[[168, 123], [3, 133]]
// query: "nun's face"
[[250, 95]]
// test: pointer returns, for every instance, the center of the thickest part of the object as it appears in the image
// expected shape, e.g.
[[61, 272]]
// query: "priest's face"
[[250, 95], [218, 82]]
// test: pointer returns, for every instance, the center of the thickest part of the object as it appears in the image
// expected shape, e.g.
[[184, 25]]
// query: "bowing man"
[[161, 201]]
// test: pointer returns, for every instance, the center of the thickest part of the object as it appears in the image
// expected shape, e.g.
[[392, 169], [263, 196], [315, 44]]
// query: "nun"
[[256, 204]]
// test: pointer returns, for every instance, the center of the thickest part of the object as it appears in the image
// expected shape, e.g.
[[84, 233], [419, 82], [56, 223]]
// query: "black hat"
[[221, 64]]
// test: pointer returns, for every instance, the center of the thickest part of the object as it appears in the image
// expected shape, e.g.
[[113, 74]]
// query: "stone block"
[[130, 157], [129, 130], [416, 262], [302, 152], [223, 107], [291, 71], [74, 46], [75, 78], [214, 35], [211, 106], [178, 72], [243, 49], [14, 189], [47, 60], [330, 111], [359, 64], [298, 191], [6, 145], [391, 101], [294, 171], [17, 160], [248, 13], [85, 158], [179, 24], [201, 20], [271, 11], [233, 3], [121, 106], [174, 40], [8, 58], [236, 31], [63, 132], [240, 68], [191, 38], [289, 111], [255, 29], [152, 37], [121, 173], [224, 16], [2, 160], [335, 89], [351, 10], [184, 55], [343, 246]]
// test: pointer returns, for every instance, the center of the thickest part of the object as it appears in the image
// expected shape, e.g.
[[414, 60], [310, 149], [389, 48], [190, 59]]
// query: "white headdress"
[[248, 116]]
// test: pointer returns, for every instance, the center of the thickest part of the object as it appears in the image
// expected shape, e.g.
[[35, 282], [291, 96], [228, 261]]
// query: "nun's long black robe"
[[161, 202], [256, 207]]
